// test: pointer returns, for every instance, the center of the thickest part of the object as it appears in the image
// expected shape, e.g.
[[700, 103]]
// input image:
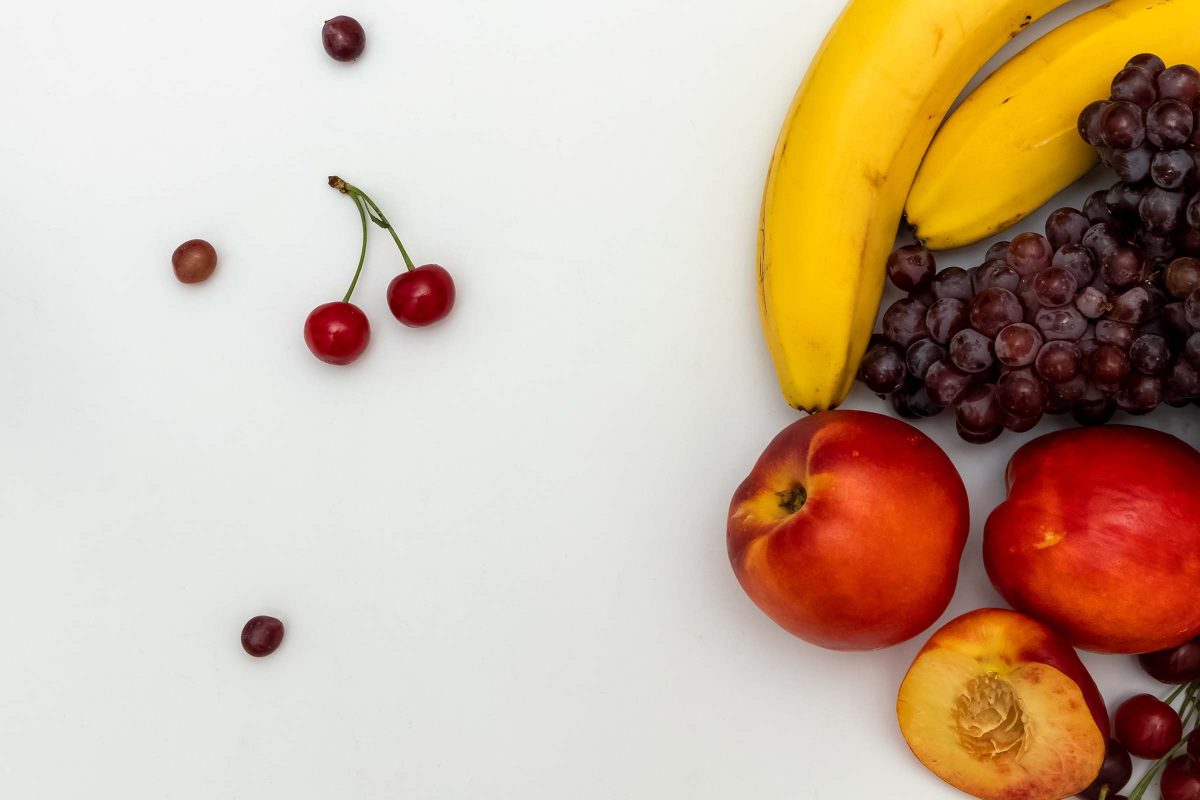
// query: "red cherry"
[[421, 296], [1181, 779], [1147, 726], [1178, 665], [337, 333], [261, 635]]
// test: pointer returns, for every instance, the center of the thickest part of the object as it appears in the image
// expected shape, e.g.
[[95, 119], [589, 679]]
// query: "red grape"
[[1061, 323], [910, 266], [920, 355], [1124, 266], [1161, 210], [947, 317], [971, 351], [996, 273], [1078, 260], [1107, 364], [904, 322], [1182, 277], [1140, 393], [1029, 252], [1169, 124], [261, 636], [946, 382], [194, 261], [953, 282], [979, 410], [1132, 166], [1135, 85], [1089, 122], [1132, 306], [1054, 286], [1021, 393], [1017, 345], [343, 38], [1058, 361], [993, 309], [1121, 125], [1150, 354], [1102, 239], [1171, 168], [1092, 303], [883, 369], [1180, 82], [1065, 226], [1095, 207], [1152, 64]]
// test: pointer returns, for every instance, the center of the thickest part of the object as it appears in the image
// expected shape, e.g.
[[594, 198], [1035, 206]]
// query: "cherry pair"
[[338, 332]]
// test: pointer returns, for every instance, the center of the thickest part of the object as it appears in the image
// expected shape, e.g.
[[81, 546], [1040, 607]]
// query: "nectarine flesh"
[[998, 706]]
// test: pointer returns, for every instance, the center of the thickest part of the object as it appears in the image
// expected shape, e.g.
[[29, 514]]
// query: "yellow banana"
[[873, 97], [1012, 144]]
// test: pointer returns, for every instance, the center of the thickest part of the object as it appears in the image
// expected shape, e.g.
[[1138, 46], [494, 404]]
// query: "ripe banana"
[[862, 119], [1012, 144]]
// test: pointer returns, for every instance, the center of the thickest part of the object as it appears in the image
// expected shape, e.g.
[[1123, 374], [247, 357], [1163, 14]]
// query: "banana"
[[863, 117], [1012, 144]]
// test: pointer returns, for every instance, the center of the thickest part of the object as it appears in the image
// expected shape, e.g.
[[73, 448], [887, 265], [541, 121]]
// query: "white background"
[[499, 543]]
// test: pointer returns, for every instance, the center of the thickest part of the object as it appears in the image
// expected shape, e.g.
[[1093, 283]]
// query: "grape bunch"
[[1098, 314]]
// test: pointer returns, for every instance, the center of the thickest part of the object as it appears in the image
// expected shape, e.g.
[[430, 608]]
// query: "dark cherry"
[[1147, 726], [1115, 772], [1181, 779], [337, 333], [1193, 743], [1177, 665], [343, 38], [194, 261], [261, 636], [421, 296]]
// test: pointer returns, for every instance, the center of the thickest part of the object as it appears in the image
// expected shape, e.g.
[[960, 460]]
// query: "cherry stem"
[[362, 256], [376, 214]]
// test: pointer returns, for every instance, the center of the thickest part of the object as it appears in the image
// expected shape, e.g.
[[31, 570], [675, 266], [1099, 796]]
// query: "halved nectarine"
[[997, 705]]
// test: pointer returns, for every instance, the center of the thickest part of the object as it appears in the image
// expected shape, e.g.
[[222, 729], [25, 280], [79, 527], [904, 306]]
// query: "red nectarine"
[[1100, 537], [849, 530], [1000, 707]]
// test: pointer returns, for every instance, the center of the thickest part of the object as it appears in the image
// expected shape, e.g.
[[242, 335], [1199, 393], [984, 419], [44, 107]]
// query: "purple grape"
[[979, 410], [1017, 345], [1191, 350], [1078, 260], [1159, 248], [1135, 85], [1121, 125], [1064, 323], [1021, 424], [997, 274], [1174, 399], [993, 309], [1065, 226], [1095, 207], [1069, 391], [1107, 364], [1021, 393], [910, 267], [1059, 361], [997, 250], [1094, 412], [1154, 65], [1179, 82], [1124, 199], [1092, 303], [1118, 334], [971, 351], [882, 369], [1170, 169], [953, 282], [1089, 122], [1140, 393], [904, 322], [947, 317], [1184, 379], [1133, 305], [920, 355], [1175, 322], [913, 401], [1150, 354], [945, 382], [981, 438], [1124, 266], [1191, 308], [1054, 286], [1168, 124], [1161, 210], [1102, 239], [1132, 166], [1029, 252], [1192, 212], [1187, 239]]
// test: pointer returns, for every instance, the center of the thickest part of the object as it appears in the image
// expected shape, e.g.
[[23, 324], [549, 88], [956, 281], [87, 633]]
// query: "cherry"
[[194, 261], [1177, 665], [343, 38], [1115, 772], [1181, 779], [261, 636], [1147, 726], [421, 296], [337, 333], [1193, 744]]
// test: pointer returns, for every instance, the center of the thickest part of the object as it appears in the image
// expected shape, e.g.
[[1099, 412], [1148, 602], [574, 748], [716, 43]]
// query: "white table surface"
[[498, 544]]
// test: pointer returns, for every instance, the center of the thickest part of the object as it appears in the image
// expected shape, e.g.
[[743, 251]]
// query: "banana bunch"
[[853, 139], [1012, 144]]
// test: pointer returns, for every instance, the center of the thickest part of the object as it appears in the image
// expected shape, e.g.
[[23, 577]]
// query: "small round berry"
[[261, 636], [421, 296], [343, 38], [337, 333], [194, 261]]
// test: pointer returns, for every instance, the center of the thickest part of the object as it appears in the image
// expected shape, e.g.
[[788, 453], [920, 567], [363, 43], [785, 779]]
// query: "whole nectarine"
[[1100, 537], [849, 530], [997, 705]]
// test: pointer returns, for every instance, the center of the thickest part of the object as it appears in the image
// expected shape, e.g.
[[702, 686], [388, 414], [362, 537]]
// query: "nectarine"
[[849, 530], [1100, 537], [1000, 707]]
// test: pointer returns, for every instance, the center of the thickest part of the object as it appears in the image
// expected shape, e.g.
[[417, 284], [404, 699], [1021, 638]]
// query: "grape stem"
[[368, 208]]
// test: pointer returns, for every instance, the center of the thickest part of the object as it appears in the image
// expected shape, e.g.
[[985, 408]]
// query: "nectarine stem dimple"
[[793, 499]]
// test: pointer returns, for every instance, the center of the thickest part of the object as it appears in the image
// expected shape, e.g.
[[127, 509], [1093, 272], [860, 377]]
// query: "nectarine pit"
[[991, 720]]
